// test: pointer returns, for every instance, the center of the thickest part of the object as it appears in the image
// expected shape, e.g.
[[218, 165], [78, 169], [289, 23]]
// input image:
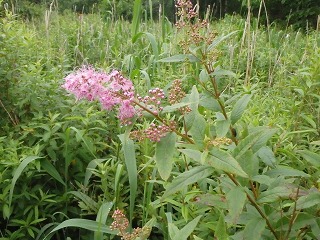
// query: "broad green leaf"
[[236, 199], [180, 58], [186, 231], [212, 200], [218, 40], [253, 141], [204, 76], [310, 200], [173, 231], [49, 168], [85, 224], [92, 165], [275, 194], [198, 129], [239, 108], [186, 178], [222, 127], [17, 174], [311, 157], [267, 156], [208, 102], [249, 163], [221, 229], [222, 72], [286, 172], [191, 153], [222, 160], [131, 164], [175, 107], [254, 228], [164, 155]]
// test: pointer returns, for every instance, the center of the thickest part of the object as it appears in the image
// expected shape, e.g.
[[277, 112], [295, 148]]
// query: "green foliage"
[[243, 164]]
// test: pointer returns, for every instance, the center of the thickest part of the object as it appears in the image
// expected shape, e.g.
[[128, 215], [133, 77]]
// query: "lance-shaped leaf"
[[236, 199], [221, 229], [180, 58], [152, 40], [254, 228], [277, 193], [239, 108], [310, 200], [131, 164], [186, 231], [222, 160], [218, 40], [311, 157], [186, 178], [164, 155]]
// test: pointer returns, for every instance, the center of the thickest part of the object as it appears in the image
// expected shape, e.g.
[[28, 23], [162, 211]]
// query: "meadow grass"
[[279, 67]]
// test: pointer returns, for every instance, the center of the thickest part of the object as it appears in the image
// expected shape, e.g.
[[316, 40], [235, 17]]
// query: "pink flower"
[[111, 90]]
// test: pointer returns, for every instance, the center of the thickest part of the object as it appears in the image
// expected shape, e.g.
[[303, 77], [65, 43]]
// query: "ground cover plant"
[[202, 130]]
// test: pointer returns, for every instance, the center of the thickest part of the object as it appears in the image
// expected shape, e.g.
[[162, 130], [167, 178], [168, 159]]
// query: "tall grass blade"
[[136, 16], [85, 224], [17, 174], [131, 164]]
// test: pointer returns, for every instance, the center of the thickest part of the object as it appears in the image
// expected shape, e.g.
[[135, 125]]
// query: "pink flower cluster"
[[111, 90], [153, 100]]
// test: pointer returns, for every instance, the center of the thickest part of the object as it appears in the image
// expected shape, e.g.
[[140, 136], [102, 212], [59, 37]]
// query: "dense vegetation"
[[238, 156]]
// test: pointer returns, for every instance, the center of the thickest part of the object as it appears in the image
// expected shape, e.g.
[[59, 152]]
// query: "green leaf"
[[218, 40], [222, 72], [186, 231], [193, 154], [186, 178], [17, 174], [152, 40], [136, 17], [102, 217], [236, 199], [249, 163], [254, 141], [180, 58], [92, 165], [88, 201], [254, 228], [164, 155], [310, 200], [311, 157], [85, 224], [239, 108], [221, 229], [267, 156], [222, 160], [275, 194], [222, 127], [87, 144], [212, 200], [198, 129], [286, 172], [131, 164], [49, 168]]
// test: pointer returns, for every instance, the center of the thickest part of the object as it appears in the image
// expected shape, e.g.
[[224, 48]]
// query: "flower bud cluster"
[[176, 94], [154, 132], [111, 90], [121, 223], [153, 100], [196, 29]]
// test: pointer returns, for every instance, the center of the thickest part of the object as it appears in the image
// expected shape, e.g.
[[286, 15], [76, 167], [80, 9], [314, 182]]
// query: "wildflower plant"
[[226, 160]]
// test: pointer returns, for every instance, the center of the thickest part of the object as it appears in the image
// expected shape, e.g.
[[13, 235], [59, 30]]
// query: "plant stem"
[[156, 116], [254, 203]]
